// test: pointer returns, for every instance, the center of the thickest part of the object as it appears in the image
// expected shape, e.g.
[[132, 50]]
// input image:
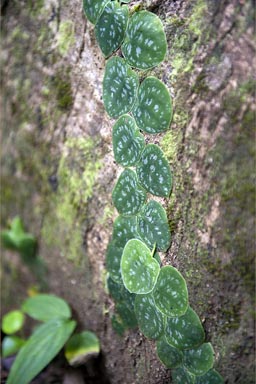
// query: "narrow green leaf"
[[185, 331], [111, 26], [128, 142], [145, 41], [154, 172], [128, 197], [139, 269], [170, 293], [44, 344], [11, 345], [171, 357], [81, 346], [151, 321], [93, 9], [12, 322], [46, 307], [153, 226], [199, 360], [120, 86], [210, 377], [153, 107]]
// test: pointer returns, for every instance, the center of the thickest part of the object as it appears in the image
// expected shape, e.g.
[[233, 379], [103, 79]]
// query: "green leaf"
[[81, 346], [113, 260], [44, 344], [181, 376], [118, 325], [151, 321], [46, 307], [199, 360], [185, 331], [119, 293], [12, 322], [145, 41], [170, 293], [128, 197], [11, 345], [120, 86], [153, 171], [171, 357], [124, 229], [93, 9], [128, 142], [139, 269], [126, 314], [153, 226], [111, 26], [153, 107], [210, 377]]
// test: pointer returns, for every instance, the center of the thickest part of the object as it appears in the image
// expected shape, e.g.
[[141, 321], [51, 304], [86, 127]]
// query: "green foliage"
[[120, 86], [153, 108], [46, 307], [139, 269], [170, 293], [128, 142], [153, 171], [113, 260], [11, 345], [210, 377], [128, 197], [150, 320], [81, 346], [40, 349], [12, 322], [171, 357], [124, 229], [145, 42], [153, 226], [186, 331], [111, 26], [181, 376], [93, 9], [199, 360]]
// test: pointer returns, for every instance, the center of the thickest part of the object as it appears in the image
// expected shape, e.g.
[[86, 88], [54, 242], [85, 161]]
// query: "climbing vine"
[[147, 295]]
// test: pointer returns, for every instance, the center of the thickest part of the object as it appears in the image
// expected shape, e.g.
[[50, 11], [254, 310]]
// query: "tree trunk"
[[58, 170]]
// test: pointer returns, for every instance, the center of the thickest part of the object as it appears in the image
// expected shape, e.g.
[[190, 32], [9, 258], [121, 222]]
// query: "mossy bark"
[[58, 170]]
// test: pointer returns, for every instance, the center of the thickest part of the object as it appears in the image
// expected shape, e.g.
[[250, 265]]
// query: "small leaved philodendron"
[[147, 295]]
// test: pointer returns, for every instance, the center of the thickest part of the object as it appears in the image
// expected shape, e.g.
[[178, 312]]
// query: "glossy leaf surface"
[[111, 26], [12, 322], [81, 346], [128, 142], [139, 269], [154, 172], [170, 293], [182, 376], [46, 307], [171, 357], [185, 331], [210, 377], [199, 360], [44, 344], [120, 86], [153, 226], [153, 108], [151, 321], [128, 197], [124, 229], [93, 9], [145, 41]]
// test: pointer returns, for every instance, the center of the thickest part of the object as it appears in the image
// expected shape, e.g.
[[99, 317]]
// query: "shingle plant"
[[147, 294]]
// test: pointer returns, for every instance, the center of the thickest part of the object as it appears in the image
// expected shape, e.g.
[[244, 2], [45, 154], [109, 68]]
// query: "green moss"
[[77, 172], [66, 36]]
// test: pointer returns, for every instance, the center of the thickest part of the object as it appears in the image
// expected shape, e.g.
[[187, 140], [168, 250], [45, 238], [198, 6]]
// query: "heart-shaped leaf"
[[93, 9], [182, 376], [199, 360], [46, 307], [153, 226], [128, 197], [124, 229], [186, 331], [82, 346], [154, 172], [145, 41], [120, 86], [139, 269], [210, 377], [153, 107], [171, 357], [113, 259], [111, 26], [170, 293], [128, 142], [151, 321]]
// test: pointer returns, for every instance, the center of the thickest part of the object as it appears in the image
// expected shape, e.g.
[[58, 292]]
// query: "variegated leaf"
[[171, 357], [182, 376], [125, 228], [199, 360], [210, 377], [93, 9], [113, 259]]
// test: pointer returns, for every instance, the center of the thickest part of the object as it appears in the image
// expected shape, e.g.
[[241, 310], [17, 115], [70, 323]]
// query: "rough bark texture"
[[58, 170]]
